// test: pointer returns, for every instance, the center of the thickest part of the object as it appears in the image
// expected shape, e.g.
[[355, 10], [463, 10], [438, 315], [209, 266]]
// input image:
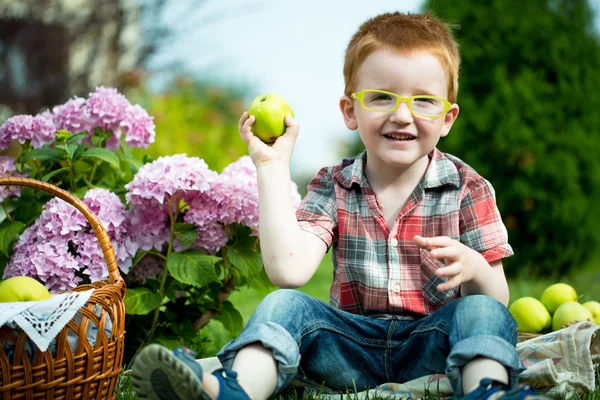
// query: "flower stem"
[[93, 172], [10, 218], [163, 279]]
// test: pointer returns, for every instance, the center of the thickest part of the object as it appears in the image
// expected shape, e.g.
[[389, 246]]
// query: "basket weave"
[[523, 336], [89, 372]]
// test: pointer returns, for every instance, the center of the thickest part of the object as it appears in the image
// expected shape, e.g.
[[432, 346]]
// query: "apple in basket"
[[269, 111], [22, 288]]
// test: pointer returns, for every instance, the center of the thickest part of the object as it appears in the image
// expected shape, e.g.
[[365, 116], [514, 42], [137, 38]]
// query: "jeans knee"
[[484, 314], [280, 304]]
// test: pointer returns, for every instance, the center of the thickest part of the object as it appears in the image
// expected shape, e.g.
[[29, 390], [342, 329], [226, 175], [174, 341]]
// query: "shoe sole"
[[157, 374]]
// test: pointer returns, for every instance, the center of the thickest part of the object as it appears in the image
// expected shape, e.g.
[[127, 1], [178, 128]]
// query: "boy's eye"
[[380, 96], [425, 100]]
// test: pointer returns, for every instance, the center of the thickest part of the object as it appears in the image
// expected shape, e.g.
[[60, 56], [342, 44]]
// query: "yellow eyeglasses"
[[421, 105]]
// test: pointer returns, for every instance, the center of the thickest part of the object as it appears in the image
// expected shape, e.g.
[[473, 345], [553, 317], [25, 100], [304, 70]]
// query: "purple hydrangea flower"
[[42, 251], [8, 168], [112, 214], [138, 127], [60, 243]]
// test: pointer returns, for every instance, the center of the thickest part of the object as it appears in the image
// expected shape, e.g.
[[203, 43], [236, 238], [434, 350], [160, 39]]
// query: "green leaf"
[[141, 301], [77, 137], [186, 233], [47, 177], [42, 154], [104, 155], [247, 261], [9, 233], [69, 149], [231, 318], [82, 167], [79, 150], [192, 267]]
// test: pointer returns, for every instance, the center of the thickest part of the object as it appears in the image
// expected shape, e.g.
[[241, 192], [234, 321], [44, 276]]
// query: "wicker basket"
[[90, 372]]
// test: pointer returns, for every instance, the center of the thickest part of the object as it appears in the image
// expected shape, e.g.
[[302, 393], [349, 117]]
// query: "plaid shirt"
[[384, 273]]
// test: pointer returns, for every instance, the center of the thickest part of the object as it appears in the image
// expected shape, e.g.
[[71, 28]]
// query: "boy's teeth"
[[399, 137]]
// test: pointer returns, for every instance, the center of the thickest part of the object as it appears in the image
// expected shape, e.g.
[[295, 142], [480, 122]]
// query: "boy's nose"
[[402, 114]]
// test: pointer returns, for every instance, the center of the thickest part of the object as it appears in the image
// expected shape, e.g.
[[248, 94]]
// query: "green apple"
[[570, 311], [269, 111], [22, 288], [593, 307], [555, 295], [530, 314]]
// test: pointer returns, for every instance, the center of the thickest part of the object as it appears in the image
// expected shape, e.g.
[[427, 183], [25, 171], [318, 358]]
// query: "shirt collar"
[[441, 171]]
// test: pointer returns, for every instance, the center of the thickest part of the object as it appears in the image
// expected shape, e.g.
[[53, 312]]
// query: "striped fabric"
[[384, 273]]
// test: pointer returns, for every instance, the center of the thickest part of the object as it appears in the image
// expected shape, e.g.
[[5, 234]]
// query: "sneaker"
[[488, 388], [162, 374]]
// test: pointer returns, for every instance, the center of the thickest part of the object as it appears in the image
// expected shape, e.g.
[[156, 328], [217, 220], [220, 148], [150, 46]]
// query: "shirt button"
[[394, 242], [396, 287]]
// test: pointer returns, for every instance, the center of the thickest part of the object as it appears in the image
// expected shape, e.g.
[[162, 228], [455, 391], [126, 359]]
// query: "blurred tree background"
[[529, 122], [53, 50]]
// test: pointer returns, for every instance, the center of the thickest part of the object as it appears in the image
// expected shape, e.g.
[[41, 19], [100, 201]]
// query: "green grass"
[[586, 281]]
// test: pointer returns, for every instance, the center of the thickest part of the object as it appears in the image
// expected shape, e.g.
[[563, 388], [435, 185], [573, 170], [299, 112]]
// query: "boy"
[[417, 244]]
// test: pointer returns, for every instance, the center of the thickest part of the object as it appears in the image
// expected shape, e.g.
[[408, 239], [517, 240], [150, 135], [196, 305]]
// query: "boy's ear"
[[347, 108], [449, 119]]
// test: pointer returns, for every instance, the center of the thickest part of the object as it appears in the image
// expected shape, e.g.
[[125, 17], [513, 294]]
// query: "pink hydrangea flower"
[[106, 108], [39, 130], [203, 213], [43, 129], [236, 193], [7, 169], [138, 127], [72, 116], [164, 182]]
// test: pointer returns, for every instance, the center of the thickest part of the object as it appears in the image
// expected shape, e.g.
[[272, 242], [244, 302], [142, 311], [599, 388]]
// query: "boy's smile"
[[399, 139]]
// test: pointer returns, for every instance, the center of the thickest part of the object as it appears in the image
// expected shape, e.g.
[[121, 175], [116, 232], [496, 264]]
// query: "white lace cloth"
[[43, 320]]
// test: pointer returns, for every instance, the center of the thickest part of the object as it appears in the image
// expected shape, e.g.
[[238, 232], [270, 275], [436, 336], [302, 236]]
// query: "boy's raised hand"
[[461, 261], [262, 153]]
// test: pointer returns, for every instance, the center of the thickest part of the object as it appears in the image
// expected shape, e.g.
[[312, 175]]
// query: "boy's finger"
[[452, 283], [292, 127], [243, 119], [449, 270], [445, 253], [246, 132]]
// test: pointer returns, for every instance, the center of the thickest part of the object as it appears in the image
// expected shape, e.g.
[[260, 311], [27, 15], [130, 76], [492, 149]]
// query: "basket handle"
[[101, 233]]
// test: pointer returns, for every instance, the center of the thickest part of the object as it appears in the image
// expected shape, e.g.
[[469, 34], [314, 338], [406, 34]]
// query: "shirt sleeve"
[[318, 212], [481, 226]]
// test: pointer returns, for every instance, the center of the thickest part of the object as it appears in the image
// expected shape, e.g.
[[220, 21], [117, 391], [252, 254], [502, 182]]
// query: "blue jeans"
[[347, 351]]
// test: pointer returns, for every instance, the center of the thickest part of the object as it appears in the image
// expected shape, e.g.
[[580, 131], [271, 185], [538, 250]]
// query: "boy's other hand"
[[460, 260], [262, 153]]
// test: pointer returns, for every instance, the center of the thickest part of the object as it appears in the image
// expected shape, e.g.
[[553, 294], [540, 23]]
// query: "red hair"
[[404, 33]]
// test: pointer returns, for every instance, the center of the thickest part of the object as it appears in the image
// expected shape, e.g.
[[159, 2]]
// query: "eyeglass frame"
[[399, 99]]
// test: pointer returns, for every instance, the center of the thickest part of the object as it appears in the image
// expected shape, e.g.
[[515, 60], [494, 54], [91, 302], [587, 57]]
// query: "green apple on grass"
[[557, 294], [530, 314], [593, 307], [269, 111], [22, 288], [568, 312]]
